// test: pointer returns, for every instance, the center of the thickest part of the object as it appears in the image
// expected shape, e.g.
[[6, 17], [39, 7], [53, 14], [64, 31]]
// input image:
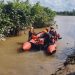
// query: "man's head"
[[51, 29]]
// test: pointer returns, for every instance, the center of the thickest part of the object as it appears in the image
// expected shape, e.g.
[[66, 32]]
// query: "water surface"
[[66, 27], [37, 63]]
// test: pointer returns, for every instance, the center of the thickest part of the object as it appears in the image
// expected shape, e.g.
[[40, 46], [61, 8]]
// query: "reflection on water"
[[66, 27]]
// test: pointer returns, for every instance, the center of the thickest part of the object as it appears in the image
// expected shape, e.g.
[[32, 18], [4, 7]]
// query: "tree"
[[41, 16], [22, 13]]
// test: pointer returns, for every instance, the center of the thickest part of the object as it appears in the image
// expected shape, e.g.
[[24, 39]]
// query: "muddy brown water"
[[37, 63]]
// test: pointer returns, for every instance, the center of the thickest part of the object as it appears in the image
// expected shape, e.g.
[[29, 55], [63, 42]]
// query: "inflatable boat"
[[39, 43]]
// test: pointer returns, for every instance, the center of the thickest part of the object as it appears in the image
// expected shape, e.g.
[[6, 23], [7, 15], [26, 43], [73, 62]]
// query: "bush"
[[23, 14]]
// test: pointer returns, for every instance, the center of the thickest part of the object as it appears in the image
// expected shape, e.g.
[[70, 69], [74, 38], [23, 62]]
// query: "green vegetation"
[[71, 13], [20, 13]]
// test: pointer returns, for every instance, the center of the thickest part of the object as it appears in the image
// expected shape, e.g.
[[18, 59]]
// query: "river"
[[66, 28], [37, 63]]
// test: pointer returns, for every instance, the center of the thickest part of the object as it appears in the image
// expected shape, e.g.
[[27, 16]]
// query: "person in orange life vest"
[[30, 33], [54, 34], [47, 38]]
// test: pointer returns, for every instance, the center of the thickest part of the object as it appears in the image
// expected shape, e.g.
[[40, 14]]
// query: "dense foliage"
[[20, 13]]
